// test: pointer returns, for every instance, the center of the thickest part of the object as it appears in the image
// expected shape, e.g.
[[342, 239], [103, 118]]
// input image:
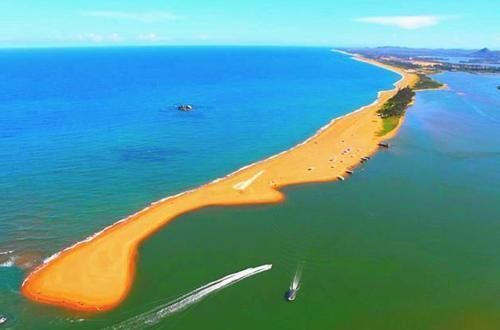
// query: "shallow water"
[[409, 242], [88, 136]]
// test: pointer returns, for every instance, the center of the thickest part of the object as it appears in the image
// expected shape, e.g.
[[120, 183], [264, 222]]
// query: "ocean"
[[88, 136]]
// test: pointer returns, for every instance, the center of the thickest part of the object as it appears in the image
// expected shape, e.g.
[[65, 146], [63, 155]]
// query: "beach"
[[97, 274]]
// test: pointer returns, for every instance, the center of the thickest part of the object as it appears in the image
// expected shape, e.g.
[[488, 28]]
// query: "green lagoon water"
[[411, 241]]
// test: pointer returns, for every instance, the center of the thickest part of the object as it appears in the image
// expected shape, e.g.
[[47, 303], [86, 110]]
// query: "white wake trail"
[[296, 279], [155, 315]]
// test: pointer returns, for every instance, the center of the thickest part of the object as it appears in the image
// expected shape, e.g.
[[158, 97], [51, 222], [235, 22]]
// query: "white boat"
[[3, 319], [291, 294]]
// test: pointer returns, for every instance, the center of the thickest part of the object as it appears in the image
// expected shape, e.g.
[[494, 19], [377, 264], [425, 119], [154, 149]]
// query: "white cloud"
[[98, 38], [404, 22], [145, 17], [149, 37]]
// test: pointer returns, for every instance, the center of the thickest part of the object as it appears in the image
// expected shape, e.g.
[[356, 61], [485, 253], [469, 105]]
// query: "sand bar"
[[97, 274]]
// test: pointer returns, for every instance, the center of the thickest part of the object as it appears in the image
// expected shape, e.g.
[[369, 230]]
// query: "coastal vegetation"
[[389, 124], [461, 67], [430, 61], [396, 105], [399, 63], [394, 109], [426, 82]]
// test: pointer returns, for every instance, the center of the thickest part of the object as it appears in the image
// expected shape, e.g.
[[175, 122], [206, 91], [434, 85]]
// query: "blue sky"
[[421, 23]]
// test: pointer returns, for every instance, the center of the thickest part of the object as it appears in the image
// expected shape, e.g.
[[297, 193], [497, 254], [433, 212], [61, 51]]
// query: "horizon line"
[[138, 45]]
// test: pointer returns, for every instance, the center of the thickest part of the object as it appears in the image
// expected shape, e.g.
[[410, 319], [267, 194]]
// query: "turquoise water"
[[409, 242], [88, 136]]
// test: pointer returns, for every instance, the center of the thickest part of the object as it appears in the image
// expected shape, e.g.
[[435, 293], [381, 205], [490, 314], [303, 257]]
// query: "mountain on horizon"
[[486, 53], [483, 54]]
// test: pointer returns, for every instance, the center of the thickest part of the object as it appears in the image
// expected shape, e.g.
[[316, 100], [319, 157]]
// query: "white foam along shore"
[[157, 314], [154, 204], [10, 262]]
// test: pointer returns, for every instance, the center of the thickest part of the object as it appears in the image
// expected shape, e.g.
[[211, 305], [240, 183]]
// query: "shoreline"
[[96, 274], [442, 88]]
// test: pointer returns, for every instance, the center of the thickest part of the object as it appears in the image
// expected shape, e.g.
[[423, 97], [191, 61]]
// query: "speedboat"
[[3, 319], [291, 294]]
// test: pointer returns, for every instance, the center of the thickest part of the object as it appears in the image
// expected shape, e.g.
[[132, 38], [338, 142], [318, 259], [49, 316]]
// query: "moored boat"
[[185, 107]]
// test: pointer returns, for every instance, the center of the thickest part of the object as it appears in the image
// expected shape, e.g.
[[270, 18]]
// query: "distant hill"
[[486, 53]]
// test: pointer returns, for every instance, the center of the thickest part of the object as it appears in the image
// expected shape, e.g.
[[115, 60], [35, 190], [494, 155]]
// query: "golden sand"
[[97, 274]]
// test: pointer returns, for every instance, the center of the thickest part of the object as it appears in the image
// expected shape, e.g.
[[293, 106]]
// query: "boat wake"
[[295, 285], [155, 315], [10, 262]]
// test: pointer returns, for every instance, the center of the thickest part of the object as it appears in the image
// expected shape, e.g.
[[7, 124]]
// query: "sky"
[[421, 23]]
